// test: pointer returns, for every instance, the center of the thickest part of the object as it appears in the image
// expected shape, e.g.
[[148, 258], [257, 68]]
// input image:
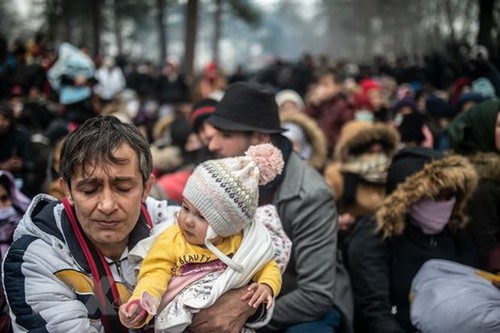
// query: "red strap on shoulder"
[[144, 211], [100, 294]]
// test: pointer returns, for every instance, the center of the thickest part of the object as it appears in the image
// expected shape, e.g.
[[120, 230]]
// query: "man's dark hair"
[[95, 141]]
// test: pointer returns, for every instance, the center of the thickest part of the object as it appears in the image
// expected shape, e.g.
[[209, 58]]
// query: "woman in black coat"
[[422, 218]]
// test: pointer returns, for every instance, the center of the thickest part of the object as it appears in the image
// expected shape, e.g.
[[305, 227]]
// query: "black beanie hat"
[[410, 128], [406, 162], [438, 107]]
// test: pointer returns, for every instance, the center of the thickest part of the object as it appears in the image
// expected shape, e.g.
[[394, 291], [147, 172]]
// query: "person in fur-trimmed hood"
[[307, 138], [476, 135], [358, 174], [423, 217]]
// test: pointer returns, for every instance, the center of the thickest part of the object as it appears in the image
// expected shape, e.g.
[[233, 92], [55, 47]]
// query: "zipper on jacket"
[[120, 273], [433, 242]]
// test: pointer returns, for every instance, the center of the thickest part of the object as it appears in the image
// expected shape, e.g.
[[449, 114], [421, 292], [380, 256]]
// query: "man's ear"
[[66, 189], [147, 187]]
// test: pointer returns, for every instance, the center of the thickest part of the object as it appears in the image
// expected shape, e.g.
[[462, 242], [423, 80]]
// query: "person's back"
[[110, 81]]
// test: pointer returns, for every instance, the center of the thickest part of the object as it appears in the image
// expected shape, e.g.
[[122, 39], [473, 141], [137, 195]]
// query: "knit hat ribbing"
[[225, 191]]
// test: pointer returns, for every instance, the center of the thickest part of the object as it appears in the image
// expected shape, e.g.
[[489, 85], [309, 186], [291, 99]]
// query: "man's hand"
[[258, 293], [227, 315]]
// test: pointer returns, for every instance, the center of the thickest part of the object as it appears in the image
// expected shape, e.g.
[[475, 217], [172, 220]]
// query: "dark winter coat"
[[484, 210], [386, 251]]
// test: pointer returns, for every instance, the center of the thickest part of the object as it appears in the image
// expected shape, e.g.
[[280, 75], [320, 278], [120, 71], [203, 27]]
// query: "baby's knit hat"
[[226, 191]]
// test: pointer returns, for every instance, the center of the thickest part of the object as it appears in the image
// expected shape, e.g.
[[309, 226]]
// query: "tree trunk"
[[67, 17], [485, 23], [191, 27], [117, 26], [51, 20], [96, 26], [217, 31], [160, 4], [450, 17]]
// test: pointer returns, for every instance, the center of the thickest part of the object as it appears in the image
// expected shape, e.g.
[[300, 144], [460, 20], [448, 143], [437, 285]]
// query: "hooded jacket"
[[314, 135], [386, 251], [484, 210], [353, 193], [46, 277]]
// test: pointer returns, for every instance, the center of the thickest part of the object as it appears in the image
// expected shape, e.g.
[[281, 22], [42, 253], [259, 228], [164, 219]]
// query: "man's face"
[[107, 200], [206, 133], [234, 143]]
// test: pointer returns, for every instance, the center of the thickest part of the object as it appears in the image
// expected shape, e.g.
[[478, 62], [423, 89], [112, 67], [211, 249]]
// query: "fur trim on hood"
[[487, 165], [356, 134], [313, 133], [452, 172], [162, 127]]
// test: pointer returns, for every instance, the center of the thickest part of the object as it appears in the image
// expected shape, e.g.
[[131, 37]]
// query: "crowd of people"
[[305, 197]]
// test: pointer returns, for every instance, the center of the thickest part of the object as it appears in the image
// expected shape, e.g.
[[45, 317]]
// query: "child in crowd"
[[216, 245]]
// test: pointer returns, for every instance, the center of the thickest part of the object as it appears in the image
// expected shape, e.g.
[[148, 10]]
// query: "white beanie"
[[288, 95], [226, 191]]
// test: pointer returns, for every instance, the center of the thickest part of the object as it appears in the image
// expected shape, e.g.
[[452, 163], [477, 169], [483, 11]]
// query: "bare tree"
[[484, 36], [160, 5], [190, 44], [117, 25], [96, 26], [237, 8], [217, 30]]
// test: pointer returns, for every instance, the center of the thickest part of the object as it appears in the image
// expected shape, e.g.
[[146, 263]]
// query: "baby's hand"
[[258, 293], [131, 313]]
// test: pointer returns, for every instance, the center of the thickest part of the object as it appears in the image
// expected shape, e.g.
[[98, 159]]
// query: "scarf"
[[370, 167], [431, 216], [105, 288]]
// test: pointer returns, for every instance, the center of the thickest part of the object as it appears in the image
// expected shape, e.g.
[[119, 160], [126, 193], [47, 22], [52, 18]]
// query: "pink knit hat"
[[225, 191]]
